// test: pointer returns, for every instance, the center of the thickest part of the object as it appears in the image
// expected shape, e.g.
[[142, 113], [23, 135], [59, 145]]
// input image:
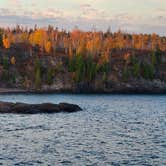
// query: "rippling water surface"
[[111, 130]]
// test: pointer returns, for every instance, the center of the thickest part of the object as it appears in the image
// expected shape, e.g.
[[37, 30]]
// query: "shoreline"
[[125, 91], [12, 90]]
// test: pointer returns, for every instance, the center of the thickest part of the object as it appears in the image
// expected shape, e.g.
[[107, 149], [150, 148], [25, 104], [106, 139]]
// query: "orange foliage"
[[70, 52], [6, 43], [81, 49], [104, 58], [127, 56], [97, 44]]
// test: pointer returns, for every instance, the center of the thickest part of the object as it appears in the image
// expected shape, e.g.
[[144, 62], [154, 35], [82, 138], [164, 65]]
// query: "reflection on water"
[[111, 130]]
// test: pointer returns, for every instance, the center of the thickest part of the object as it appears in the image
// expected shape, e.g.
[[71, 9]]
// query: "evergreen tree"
[[49, 76], [154, 59], [37, 74], [148, 71]]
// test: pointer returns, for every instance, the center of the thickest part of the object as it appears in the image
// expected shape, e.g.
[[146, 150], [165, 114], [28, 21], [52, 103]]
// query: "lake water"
[[111, 130]]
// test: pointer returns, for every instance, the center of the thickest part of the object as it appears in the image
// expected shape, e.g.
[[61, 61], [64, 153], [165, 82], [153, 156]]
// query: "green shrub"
[[38, 79], [104, 68], [158, 54], [136, 70], [13, 79], [5, 76], [5, 63], [90, 68], [50, 74], [72, 64], [135, 66], [105, 77], [85, 68], [37, 74], [148, 71], [125, 74], [133, 59], [154, 59]]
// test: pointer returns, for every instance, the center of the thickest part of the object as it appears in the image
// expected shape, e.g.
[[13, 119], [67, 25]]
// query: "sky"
[[135, 16]]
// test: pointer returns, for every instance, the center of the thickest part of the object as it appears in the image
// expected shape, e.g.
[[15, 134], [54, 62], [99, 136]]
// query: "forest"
[[49, 59]]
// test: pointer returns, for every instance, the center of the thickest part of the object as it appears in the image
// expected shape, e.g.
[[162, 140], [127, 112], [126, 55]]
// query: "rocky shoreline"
[[120, 90], [24, 108]]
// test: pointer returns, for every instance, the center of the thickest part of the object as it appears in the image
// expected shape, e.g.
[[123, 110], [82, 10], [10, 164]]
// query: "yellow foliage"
[[24, 37], [38, 37], [48, 46], [13, 60]]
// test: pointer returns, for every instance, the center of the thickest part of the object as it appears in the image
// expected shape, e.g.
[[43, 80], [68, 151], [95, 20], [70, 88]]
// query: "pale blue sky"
[[144, 16]]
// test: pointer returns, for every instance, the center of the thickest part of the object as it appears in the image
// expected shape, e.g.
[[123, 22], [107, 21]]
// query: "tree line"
[[95, 43], [89, 53]]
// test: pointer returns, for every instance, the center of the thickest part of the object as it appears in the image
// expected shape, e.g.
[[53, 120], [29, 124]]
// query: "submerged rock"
[[23, 108]]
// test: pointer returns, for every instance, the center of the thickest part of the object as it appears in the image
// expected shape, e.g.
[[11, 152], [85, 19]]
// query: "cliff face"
[[127, 71]]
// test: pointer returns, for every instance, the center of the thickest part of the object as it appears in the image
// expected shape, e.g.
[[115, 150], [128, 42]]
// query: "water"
[[111, 130]]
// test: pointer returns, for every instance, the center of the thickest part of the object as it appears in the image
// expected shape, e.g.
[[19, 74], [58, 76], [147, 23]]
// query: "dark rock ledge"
[[23, 108]]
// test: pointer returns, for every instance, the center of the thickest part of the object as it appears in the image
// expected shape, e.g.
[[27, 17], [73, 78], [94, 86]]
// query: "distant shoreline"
[[23, 91]]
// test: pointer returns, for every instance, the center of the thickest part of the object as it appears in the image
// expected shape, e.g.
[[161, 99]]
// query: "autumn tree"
[[75, 42], [81, 49], [6, 42], [38, 37], [48, 46], [153, 41]]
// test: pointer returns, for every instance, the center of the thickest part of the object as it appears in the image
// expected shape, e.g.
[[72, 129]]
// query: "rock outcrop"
[[23, 108]]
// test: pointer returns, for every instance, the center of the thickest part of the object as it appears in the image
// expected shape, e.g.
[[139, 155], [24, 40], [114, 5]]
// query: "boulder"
[[23, 108], [66, 107]]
